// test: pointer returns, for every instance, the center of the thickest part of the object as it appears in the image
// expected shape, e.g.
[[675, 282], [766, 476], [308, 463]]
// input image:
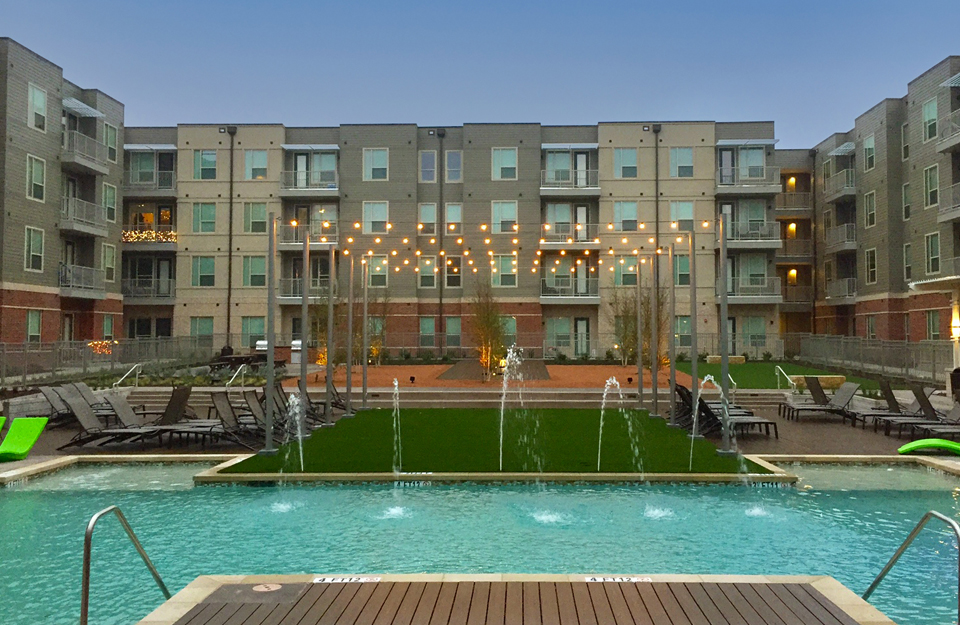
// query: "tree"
[[622, 309], [487, 329]]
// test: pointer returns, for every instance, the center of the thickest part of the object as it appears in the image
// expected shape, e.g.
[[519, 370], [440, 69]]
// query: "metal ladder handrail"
[[138, 368], [243, 379], [933, 514], [778, 370], [87, 546]]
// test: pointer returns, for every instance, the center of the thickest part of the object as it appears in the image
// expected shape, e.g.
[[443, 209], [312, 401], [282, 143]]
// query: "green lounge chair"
[[21, 437]]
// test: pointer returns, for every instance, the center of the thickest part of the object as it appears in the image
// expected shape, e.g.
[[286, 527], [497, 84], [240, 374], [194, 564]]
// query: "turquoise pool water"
[[843, 521]]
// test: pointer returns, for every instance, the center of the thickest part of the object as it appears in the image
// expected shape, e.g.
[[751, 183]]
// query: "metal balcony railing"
[[844, 233], [309, 180], [751, 286], [148, 180], [293, 287], [149, 287], [75, 142], [950, 198], [949, 267], [80, 277], [323, 232], [797, 293], [149, 233], [569, 232], [794, 200], [842, 287], [754, 231], [569, 286], [569, 178], [81, 211], [844, 181], [950, 125], [797, 247], [748, 175]]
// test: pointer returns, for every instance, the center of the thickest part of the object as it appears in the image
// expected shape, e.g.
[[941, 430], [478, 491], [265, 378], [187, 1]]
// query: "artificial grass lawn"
[[467, 440], [763, 374]]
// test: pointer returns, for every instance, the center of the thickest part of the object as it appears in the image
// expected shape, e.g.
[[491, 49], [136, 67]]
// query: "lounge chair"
[[838, 404], [87, 393], [260, 416], [21, 437], [94, 430], [817, 398], [711, 421], [948, 427], [131, 419], [59, 411], [237, 428], [914, 413]]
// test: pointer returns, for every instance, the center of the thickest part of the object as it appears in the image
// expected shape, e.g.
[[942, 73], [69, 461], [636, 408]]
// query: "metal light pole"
[[655, 331], [271, 339], [366, 338], [639, 337], [349, 401], [724, 339], [328, 399], [304, 315], [694, 353], [671, 261]]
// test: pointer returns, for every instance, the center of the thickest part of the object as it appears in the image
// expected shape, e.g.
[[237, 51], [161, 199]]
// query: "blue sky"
[[811, 67]]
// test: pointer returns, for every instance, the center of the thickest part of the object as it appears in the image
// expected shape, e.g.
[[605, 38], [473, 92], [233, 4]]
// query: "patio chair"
[[838, 404], [259, 414], [87, 393], [93, 430], [238, 431], [817, 398], [129, 418], [21, 437], [913, 413], [949, 426], [742, 422], [59, 411]]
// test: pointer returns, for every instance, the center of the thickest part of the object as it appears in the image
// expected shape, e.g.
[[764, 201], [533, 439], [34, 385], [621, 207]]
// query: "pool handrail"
[[241, 373], [778, 371], [932, 514], [87, 547], [135, 368]]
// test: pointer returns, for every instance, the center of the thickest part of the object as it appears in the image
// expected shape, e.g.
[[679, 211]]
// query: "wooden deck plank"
[[652, 603], [331, 614], [549, 608], [531, 603], [497, 603], [670, 604], [192, 612], [766, 612], [441, 611], [709, 608], [400, 610], [376, 603], [461, 604], [581, 597], [796, 606], [260, 614], [478, 604], [513, 610], [228, 610], [428, 600], [773, 601], [293, 613], [566, 605], [243, 614], [813, 604], [205, 615], [695, 613], [830, 606], [637, 609], [742, 605], [601, 605], [618, 606], [356, 605], [723, 604]]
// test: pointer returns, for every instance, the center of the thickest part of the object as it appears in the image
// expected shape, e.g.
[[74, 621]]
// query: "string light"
[[148, 236]]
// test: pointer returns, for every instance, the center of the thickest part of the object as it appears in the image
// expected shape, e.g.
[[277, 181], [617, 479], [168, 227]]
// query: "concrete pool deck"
[[523, 599]]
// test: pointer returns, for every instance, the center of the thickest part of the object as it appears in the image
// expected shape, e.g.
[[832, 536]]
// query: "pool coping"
[[202, 587], [53, 465]]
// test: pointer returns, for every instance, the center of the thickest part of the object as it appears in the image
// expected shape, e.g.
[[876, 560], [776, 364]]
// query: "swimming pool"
[[846, 524]]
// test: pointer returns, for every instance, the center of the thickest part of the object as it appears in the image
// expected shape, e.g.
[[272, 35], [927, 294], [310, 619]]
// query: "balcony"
[[754, 235], [947, 276], [150, 184], [949, 204], [567, 235], [290, 290], [796, 250], [797, 298], [83, 217], [309, 184], [290, 238], [842, 238], [148, 291], [84, 154], [949, 139], [149, 238], [569, 289], [842, 292], [752, 290], [841, 186], [570, 183], [795, 204], [748, 180], [82, 282]]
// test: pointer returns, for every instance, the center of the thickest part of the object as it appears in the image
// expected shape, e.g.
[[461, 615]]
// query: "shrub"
[[404, 354], [702, 357], [746, 357], [609, 355], [561, 357], [767, 356], [682, 357]]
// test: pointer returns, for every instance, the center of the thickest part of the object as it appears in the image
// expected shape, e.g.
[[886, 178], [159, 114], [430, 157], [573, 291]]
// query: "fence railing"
[[921, 361], [148, 287], [569, 286], [844, 181], [318, 232], [149, 180], [839, 235], [796, 247], [293, 287], [309, 180], [950, 198], [795, 293], [80, 277], [748, 175], [754, 231], [80, 211], [794, 200], [143, 233], [748, 286], [568, 232], [841, 288], [80, 144], [950, 125], [569, 178]]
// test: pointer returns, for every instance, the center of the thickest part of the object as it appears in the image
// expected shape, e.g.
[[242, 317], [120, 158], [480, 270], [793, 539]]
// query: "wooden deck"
[[520, 603]]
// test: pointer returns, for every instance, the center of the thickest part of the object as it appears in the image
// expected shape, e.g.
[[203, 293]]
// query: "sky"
[[812, 67]]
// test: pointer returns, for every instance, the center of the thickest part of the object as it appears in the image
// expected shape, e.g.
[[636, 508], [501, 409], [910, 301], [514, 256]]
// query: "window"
[[933, 325], [110, 202], [558, 331], [870, 209], [201, 326], [508, 326], [929, 119], [827, 171], [204, 217], [428, 219], [559, 166], [375, 215], [681, 162], [251, 330], [109, 262], [142, 170], [36, 178], [454, 168], [108, 327], [254, 271], [870, 257], [751, 162], [931, 186], [907, 267], [625, 216], [254, 217], [625, 162], [454, 216], [377, 271], [256, 164], [34, 319], [869, 153], [426, 272], [376, 164], [871, 327], [904, 142], [682, 214], [203, 271], [504, 217], [428, 166], [427, 331], [504, 164], [932, 244], [625, 271], [453, 328], [681, 270], [905, 200], [37, 108], [204, 164], [110, 139], [681, 328], [754, 331], [33, 249], [503, 271], [451, 271]]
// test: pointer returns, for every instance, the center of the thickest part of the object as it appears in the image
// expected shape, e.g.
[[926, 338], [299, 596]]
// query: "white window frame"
[[421, 169], [868, 214], [871, 326], [379, 260], [618, 159], [368, 153], [30, 159], [677, 272], [928, 259], [458, 223], [626, 265], [931, 122], [826, 171], [447, 169], [869, 158], [496, 226], [30, 112], [448, 273], [196, 261], [108, 336], [426, 266], [39, 335], [618, 223], [926, 191], [195, 326], [368, 229], [498, 175], [426, 339], [197, 225], [447, 334], [867, 254], [905, 141], [429, 226], [106, 205], [249, 166], [28, 252], [907, 262], [675, 165], [248, 219], [105, 266], [496, 274], [933, 329], [198, 164], [905, 201], [116, 141], [248, 274]]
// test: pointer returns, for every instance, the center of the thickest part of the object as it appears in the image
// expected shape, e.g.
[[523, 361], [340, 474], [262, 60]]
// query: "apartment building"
[[60, 204]]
